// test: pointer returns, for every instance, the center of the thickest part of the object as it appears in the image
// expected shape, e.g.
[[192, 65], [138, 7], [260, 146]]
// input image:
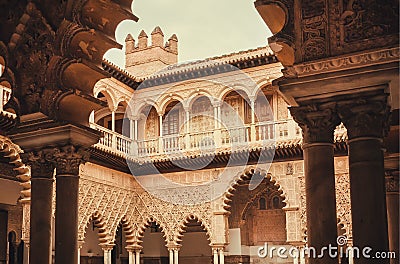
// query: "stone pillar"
[[221, 256], [218, 254], [160, 142], [80, 244], [42, 177], [366, 120], [67, 162], [107, 253], [253, 119], [113, 120], [217, 124], [131, 255], [392, 204], [187, 128], [171, 256], [215, 255], [176, 256], [318, 123], [137, 256]]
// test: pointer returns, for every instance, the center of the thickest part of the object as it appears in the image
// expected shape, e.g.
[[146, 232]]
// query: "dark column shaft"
[[321, 200], [41, 209], [368, 197], [67, 219]]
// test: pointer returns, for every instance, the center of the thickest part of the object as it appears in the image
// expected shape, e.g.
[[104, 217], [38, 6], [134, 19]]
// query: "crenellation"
[[144, 60]]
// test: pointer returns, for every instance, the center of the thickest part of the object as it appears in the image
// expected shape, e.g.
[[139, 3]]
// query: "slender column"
[[318, 123], [176, 256], [80, 244], [366, 121], [171, 256], [160, 142], [131, 257], [217, 124], [253, 120], [187, 128], [137, 256], [392, 203], [113, 120], [136, 129], [215, 255], [221, 256], [67, 164], [42, 177], [107, 253]]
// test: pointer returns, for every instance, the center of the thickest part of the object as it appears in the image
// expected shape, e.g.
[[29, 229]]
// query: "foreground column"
[[42, 177], [107, 253], [318, 124], [67, 189], [392, 203], [366, 123]]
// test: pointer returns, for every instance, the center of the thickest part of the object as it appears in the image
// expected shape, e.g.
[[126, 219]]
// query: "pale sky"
[[205, 28]]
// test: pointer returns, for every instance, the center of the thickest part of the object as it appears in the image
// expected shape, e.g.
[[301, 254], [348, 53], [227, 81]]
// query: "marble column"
[[318, 123], [392, 204], [171, 256], [67, 162], [366, 120], [107, 253], [42, 177], [137, 256], [176, 256]]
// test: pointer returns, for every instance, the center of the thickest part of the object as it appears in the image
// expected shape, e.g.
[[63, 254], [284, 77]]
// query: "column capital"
[[317, 121], [107, 247], [392, 184], [68, 158], [41, 162], [365, 116], [133, 248]]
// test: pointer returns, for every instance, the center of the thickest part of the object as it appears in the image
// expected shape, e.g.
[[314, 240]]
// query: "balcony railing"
[[198, 141]]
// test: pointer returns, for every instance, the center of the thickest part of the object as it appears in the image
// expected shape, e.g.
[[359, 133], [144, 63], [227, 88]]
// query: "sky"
[[205, 28]]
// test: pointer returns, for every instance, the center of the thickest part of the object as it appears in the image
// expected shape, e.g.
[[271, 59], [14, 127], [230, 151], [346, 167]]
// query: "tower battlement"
[[143, 58]]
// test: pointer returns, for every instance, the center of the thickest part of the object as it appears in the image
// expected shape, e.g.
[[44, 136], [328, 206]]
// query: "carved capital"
[[68, 159], [365, 116], [317, 122], [392, 184], [41, 162]]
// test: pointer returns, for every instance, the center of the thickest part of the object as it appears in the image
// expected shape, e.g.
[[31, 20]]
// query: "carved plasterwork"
[[363, 24], [314, 18], [129, 203], [344, 62], [343, 203]]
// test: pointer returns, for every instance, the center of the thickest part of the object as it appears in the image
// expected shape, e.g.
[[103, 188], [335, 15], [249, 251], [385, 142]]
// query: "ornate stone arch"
[[127, 228], [248, 173], [107, 92], [197, 94], [183, 224], [235, 88], [144, 225], [141, 105], [100, 223], [167, 99]]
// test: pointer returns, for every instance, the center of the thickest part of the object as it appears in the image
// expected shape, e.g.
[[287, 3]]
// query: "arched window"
[[276, 202], [262, 204]]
